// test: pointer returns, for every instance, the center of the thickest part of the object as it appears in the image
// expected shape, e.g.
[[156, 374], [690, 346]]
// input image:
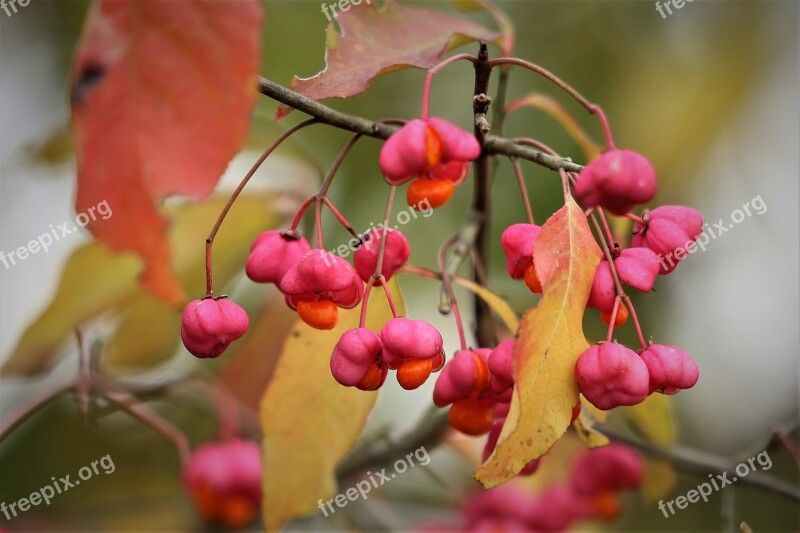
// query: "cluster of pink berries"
[[590, 493], [477, 385], [224, 482], [433, 153]]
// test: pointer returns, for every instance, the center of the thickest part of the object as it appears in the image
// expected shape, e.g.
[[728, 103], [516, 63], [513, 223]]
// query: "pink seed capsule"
[[421, 146], [273, 253], [517, 242], [617, 181], [395, 256], [610, 375], [404, 338], [209, 325], [224, 481], [669, 233], [320, 275], [671, 369], [613, 467], [353, 356]]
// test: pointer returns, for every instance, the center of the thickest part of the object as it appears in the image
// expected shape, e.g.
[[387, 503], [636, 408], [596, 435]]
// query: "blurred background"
[[709, 94]]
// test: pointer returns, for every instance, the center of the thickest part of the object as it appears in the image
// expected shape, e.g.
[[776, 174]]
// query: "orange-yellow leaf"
[[550, 341], [309, 421], [161, 99]]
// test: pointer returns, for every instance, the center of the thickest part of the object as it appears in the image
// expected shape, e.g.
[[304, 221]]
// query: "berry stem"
[[326, 183], [614, 311], [318, 223], [426, 88], [636, 325], [589, 106], [522, 189], [384, 230], [389, 298], [637, 219], [609, 235], [237, 192], [617, 284], [300, 212], [447, 284], [343, 221], [364, 303]]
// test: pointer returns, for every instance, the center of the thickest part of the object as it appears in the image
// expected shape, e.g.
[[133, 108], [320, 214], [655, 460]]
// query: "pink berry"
[[320, 275], [422, 145], [671, 369], [610, 375], [556, 509], [457, 144], [501, 366], [209, 325], [613, 467], [638, 268], [517, 242], [603, 290], [465, 375], [353, 356], [395, 256], [224, 480], [498, 508], [669, 232], [617, 181], [404, 338], [273, 253]]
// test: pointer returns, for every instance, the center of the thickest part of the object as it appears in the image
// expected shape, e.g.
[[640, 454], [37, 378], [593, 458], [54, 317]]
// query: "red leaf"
[[374, 42], [161, 97]]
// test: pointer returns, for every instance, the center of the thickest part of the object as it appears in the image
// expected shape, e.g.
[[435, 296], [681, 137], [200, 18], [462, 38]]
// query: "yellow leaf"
[[554, 109], [549, 343], [588, 435], [653, 420], [309, 421], [94, 280]]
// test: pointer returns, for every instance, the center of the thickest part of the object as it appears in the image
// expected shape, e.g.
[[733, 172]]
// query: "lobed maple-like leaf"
[[549, 343], [374, 41], [310, 421], [161, 97]]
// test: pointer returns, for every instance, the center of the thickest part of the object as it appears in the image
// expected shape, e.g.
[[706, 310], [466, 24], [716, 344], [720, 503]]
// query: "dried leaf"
[[376, 41]]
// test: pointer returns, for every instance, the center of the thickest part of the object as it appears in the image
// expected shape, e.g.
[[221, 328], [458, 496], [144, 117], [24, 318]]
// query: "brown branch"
[[493, 145]]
